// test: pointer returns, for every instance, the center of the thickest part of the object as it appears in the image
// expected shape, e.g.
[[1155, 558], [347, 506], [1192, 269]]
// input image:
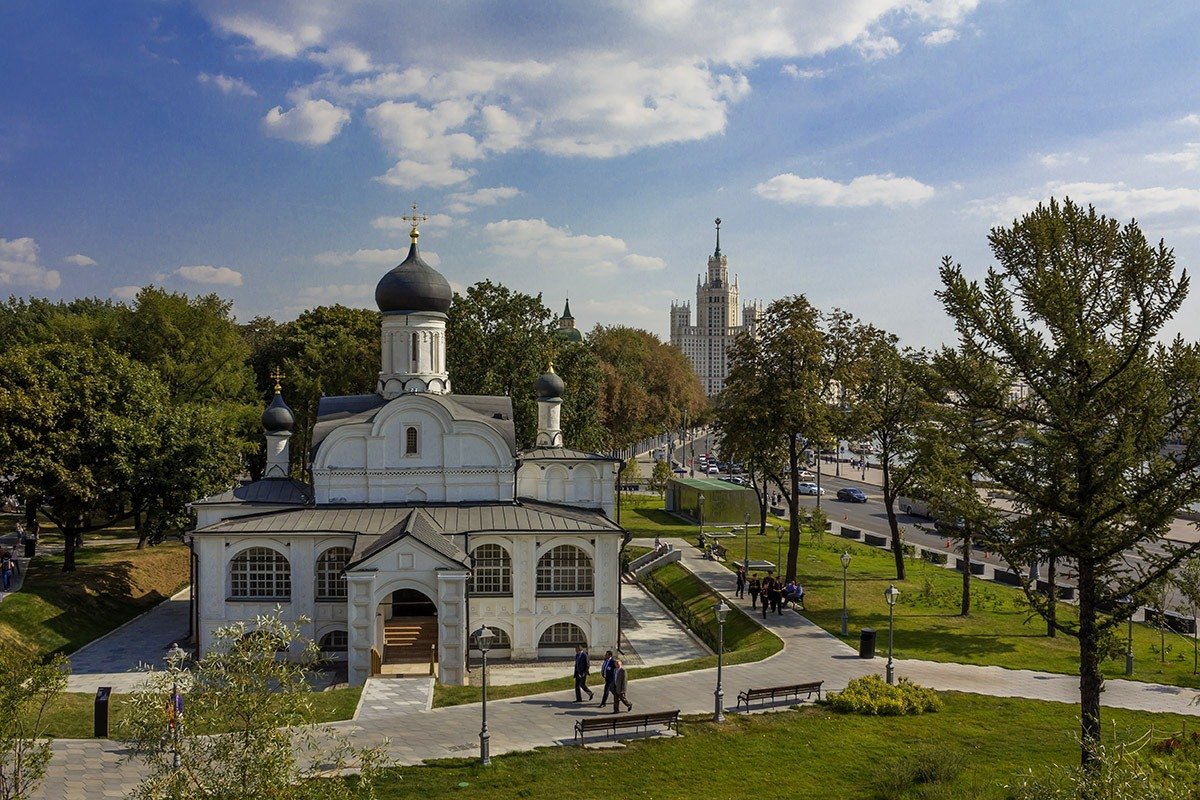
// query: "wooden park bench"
[[668, 719], [719, 552], [775, 693]]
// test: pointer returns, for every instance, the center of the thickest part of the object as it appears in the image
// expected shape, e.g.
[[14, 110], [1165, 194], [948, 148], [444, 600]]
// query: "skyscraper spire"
[[717, 252]]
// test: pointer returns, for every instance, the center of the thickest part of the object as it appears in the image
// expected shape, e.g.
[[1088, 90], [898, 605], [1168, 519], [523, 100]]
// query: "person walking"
[[620, 687], [741, 581], [607, 668], [582, 667], [768, 586], [755, 588], [6, 569]]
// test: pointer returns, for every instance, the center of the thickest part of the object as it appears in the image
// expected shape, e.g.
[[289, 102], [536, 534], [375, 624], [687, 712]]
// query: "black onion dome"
[[413, 286], [549, 386], [278, 417]]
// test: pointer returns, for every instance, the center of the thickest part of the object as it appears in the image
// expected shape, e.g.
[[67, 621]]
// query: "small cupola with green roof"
[[566, 326]]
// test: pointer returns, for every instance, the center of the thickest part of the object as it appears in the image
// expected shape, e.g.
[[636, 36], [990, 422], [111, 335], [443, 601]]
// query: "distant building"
[[566, 326], [720, 319]]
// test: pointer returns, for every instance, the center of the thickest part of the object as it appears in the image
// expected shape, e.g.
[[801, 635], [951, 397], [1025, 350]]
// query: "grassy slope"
[[811, 752], [1001, 630], [114, 582]]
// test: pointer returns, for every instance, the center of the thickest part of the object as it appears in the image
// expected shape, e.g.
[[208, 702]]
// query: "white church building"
[[423, 521]]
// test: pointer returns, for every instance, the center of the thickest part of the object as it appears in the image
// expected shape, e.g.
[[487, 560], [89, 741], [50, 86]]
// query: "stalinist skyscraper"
[[719, 320]]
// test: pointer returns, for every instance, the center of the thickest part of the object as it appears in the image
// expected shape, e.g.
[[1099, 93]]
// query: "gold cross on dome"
[[415, 219], [277, 376]]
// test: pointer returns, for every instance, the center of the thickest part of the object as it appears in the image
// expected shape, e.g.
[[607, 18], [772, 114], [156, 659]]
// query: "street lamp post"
[[1129, 640], [175, 658], [483, 640], [746, 552], [779, 548], [700, 506], [719, 695], [845, 569], [891, 594]]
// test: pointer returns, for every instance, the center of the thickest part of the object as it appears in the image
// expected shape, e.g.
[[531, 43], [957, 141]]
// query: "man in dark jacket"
[[620, 685], [606, 671], [581, 672]]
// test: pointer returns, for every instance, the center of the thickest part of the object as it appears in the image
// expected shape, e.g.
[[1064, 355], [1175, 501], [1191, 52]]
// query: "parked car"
[[851, 494], [805, 475], [712, 469], [809, 488]]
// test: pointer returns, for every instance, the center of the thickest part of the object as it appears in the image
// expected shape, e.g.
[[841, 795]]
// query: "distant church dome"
[[566, 326], [549, 386], [278, 417], [413, 286]]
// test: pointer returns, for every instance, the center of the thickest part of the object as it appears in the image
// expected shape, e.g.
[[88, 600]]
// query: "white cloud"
[[939, 37], [367, 257], [536, 241], [80, 260], [401, 225], [1053, 160], [1117, 200], [20, 265], [285, 39], [344, 57], [409, 174], [463, 202], [1189, 119], [312, 122], [865, 190], [1187, 158], [227, 84], [204, 273], [424, 139], [876, 47], [126, 293], [792, 71]]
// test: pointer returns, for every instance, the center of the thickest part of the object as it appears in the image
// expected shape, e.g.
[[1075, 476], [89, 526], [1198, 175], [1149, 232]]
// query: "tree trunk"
[[71, 539], [1090, 681], [140, 528], [1052, 591], [965, 609], [793, 509], [897, 544]]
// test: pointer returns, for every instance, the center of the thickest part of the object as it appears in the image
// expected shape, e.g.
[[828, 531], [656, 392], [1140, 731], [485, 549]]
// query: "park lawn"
[[59, 612], [1001, 631], [71, 714], [983, 742], [745, 641]]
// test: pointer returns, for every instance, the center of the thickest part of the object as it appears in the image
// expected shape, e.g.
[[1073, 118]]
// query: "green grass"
[[1001, 631], [745, 641], [811, 752], [59, 612], [71, 716]]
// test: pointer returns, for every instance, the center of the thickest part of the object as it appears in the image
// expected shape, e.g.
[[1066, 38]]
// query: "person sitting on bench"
[[794, 593]]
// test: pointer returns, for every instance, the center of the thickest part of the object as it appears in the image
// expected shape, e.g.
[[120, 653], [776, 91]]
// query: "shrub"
[[871, 696], [1115, 775], [895, 778]]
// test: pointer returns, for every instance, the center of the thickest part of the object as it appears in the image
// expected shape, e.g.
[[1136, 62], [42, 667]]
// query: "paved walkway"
[[528, 722], [116, 658]]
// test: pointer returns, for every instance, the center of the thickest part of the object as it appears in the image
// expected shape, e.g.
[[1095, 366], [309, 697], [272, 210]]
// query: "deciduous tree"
[[28, 686]]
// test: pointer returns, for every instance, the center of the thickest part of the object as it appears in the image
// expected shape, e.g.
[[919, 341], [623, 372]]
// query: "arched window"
[[414, 351], [334, 642], [565, 569], [562, 634], [493, 570], [410, 441], [260, 573], [500, 640], [331, 580]]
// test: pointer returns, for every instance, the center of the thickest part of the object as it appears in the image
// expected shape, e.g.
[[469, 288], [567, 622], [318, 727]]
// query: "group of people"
[[612, 670], [774, 592]]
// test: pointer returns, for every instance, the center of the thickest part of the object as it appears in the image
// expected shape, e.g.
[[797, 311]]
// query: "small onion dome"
[[278, 417], [549, 386], [413, 286]]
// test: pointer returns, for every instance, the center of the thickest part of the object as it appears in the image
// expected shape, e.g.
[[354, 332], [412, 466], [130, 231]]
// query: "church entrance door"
[[410, 633], [412, 603]]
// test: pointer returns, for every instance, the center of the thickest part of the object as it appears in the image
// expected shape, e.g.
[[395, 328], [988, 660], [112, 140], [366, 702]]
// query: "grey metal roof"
[[495, 412], [276, 491], [561, 454], [416, 525]]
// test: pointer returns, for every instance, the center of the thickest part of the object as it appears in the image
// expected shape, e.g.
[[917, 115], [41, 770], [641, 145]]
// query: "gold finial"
[[277, 376], [414, 219], [550, 368]]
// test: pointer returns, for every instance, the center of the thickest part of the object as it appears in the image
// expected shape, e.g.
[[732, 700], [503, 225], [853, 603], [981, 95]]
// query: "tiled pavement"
[[386, 697], [528, 722], [113, 660]]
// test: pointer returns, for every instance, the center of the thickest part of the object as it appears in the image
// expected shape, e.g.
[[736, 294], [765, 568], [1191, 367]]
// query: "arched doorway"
[[410, 633]]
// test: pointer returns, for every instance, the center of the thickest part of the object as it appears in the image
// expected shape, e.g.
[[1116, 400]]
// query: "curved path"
[[90, 768]]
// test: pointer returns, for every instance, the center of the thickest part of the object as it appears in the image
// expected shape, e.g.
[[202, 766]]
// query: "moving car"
[[809, 488], [851, 494]]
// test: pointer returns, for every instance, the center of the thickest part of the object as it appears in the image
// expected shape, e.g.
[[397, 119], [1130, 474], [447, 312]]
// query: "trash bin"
[[30, 546], [866, 643], [101, 716]]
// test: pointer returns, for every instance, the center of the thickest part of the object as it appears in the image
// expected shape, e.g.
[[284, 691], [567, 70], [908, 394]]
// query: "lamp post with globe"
[[719, 695], [483, 640], [845, 569], [891, 594]]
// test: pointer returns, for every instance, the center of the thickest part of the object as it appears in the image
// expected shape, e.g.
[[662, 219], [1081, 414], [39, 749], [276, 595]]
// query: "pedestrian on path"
[[620, 686], [6, 569], [607, 668], [582, 667], [741, 581], [755, 588], [768, 586]]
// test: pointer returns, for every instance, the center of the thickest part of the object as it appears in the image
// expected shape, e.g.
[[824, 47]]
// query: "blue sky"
[[264, 150]]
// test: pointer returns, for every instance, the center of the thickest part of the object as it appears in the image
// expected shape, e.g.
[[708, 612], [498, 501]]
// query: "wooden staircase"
[[409, 643]]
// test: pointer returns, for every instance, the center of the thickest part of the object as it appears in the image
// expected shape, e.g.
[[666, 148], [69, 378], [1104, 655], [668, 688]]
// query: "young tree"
[[1075, 409], [631, 472], [661, 475], [27, 688], [1188, 581], [232, 724]]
